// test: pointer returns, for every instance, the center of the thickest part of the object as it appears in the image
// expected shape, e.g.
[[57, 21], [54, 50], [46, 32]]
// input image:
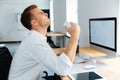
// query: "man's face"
[[41, 17]]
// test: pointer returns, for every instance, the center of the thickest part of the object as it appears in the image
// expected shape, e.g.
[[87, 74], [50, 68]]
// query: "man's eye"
[[41, 12]]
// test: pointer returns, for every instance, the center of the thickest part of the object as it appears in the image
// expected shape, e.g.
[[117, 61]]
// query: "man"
[[34, 53]]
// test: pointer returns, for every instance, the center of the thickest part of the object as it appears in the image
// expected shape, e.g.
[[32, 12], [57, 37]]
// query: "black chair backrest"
[[5, 62], [52, 77]]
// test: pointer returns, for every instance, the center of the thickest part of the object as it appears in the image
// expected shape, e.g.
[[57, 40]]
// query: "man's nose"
[[46, 14]]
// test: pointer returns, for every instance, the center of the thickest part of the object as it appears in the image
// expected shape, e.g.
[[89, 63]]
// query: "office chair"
[[5, 61], [52, 77]]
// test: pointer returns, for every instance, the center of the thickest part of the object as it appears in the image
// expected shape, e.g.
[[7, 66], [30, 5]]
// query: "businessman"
[[34, 53]]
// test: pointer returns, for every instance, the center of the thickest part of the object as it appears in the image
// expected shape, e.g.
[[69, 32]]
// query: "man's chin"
[[49, 22]]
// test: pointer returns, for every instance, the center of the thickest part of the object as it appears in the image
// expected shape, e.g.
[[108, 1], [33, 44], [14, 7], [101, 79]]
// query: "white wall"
[[92, 9], [8, 19], [64, 10], [86, 9], [59, 11], [118, 32], [59, 17]]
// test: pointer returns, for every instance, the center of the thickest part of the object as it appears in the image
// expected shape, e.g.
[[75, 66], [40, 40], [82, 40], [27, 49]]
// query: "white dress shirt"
[[33, 54]]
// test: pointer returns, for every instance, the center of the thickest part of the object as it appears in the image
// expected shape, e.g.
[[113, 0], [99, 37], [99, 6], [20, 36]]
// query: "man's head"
[[33, 17]]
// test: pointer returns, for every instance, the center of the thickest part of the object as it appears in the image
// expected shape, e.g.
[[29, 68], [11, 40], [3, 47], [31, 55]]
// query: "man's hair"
[[26, 16]]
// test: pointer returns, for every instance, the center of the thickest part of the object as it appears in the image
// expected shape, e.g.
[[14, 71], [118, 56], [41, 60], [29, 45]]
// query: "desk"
[[91, 51], [79, 68], [113, 72], [57, 34], [108, 69]]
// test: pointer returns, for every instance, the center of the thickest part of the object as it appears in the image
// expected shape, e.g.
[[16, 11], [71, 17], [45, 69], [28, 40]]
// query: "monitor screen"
[[102, 32]]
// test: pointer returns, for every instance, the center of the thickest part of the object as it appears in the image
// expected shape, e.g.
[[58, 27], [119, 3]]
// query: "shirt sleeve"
[[45, 56], [63, 57]]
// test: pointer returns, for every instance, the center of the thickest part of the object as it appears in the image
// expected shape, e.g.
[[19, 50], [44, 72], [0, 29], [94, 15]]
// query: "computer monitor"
[[103, 33]]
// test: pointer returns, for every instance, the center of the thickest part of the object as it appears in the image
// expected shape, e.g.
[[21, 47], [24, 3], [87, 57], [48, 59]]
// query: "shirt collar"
[[36, 33]]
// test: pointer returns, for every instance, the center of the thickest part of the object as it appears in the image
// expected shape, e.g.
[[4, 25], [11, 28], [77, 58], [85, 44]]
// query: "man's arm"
[[70, 50], [58, 51]]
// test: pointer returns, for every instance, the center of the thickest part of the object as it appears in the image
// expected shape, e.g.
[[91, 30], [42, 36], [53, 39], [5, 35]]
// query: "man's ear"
[[34, 22]]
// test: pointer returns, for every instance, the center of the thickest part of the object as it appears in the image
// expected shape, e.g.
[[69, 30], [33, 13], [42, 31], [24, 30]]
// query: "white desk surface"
[[109, 68], [113, 70], [79, 67]]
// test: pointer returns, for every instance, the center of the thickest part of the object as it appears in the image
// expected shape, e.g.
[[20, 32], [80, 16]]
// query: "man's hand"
[[74, 30]]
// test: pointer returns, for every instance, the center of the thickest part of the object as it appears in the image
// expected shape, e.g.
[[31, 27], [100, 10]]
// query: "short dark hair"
[[26, 16]]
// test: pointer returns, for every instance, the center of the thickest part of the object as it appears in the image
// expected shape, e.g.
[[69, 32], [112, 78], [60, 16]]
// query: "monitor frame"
[[115, 32]]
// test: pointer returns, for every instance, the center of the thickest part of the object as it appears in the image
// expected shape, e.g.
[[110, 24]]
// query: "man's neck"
[[42, 31]]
